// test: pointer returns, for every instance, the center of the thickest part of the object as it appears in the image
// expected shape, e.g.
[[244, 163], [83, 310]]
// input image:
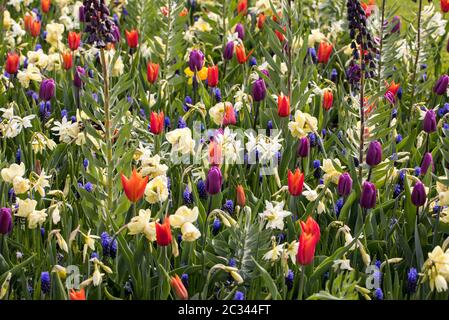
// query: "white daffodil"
[[274, 213], [156, 190]]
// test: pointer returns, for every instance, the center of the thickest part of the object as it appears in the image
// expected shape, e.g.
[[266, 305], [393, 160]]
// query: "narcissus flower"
[[212, 76], [328, 99], [324, 52], [12, 63], [132, 38], [74, 40], [179, 288], [310, 235], [135, 186], [157, 122], [152, 72], [77, 295], [163, 233], [295, 182], [283, 105]]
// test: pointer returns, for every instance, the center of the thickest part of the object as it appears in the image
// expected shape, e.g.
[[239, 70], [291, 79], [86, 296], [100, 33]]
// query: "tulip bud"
[[283, 106], [67, 60], [374, 154], [163, 233], [12, 63], [303, 147], [261, 20], [396, 21], [152, 72], [229, 50], [242, 7], [47, 89], [324, 52], [240, 30], [328, 99], [74, 40], [81, 13], [295, 182], [45, 5], [310, 235], [179, 288], [369, 194], [259, 90], [77, 81], [430, 121], [212, 76], [196, 60], [229, 115], [214, 180], [241, 198], [419, 195], [426, 163], [344, 184], [5, 220], [35, 28], [157, 122], [132, 38], [440, 87]]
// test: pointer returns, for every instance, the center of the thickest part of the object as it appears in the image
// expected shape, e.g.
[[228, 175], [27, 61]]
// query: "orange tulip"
[[328, 99], [215, 154], [163, 233], [261, 20], [283, 106], [179, 288], [280, 35], [241, 198], [67, 60], [27, 20], [241, 55], [74, 40], [229, 115], [135, 186], [77, 295], [45, 5], [132, 38], [212, 76], [12, 63], [152, 72], [310, 235], [242, 7], [295, 182], [394, 87], [444, 4], [35, 28], [157, 122], [324, 52]]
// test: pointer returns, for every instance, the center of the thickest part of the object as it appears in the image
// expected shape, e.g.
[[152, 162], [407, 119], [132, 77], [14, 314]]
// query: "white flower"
[[36, 218], [14, 170], [231, 146], [20, 185], [183, 215], [66, 130], [303, 124], [274, 254], [181, 140], [31, 73], [41, 183], [342, 264], [151, 165], [156, 190], [26, 207], [292, 250], [190, 232], [274, 213]]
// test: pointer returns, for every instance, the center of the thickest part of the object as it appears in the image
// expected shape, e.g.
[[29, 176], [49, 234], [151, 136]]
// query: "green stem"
[[301, 282], [418, 48]]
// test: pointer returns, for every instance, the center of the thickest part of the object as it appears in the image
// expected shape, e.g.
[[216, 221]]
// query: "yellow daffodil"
[[156, 190], [303, 124], [202, 74]]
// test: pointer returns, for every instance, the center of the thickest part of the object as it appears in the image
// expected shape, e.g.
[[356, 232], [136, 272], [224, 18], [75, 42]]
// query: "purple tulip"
[[259, 90], [47, 89], [427, 162], [430, 121], [374, 154], [369, 194], [240, 31], [419, 194], [440, 87], [344, 186], [81, 14], [196, 60], [229, 50], [5, 220], [77, 81], [303, 147], [214, 180], [116, 33]]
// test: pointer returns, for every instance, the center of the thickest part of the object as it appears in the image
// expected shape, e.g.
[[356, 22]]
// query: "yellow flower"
[[20, 185], [54, 34], [331, 174], [436, 269], [156, 190], [303, 124], [151, 166], [37, 217], [190, 232], [443, 194], [202, 74], [26, 207], [14, 170], [30, 73], [183, 215], [89, 243], [217, 112], [139, 223], [201, 25], [181, 140]]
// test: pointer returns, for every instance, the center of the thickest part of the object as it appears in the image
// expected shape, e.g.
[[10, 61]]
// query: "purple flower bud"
[[214, 180], [240, 30], [430, 121], [5, 220], [374, 154], [344, 184], [115, 31], [229, 50], [396, 21], [259, 90], [440, 87], [77, 78], [368, 197], [81, 14], [303, 147], [419, 194], [47, 89], [196, 60], [427, 162]]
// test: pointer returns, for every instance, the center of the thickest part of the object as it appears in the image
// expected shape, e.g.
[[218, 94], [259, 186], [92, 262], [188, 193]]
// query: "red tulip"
[[135, 186], [324, 52], [45, 5], [394, 87], [283, 106], [35, 28], [152, 72], [295, 182], [132, 38], [241, 55], [241, 198], [12, 63], [229, 115], [280, 35], [157, 122], [328, 99], [163, 233], [179, 288], [310, 235], [261, 20], [77, 295], [242, 7], [212, 76], [74, 40], [27, 21], [444, 4], [67, 60]]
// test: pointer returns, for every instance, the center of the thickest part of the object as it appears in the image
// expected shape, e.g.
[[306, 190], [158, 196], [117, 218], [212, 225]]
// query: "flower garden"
[[224, 150]]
